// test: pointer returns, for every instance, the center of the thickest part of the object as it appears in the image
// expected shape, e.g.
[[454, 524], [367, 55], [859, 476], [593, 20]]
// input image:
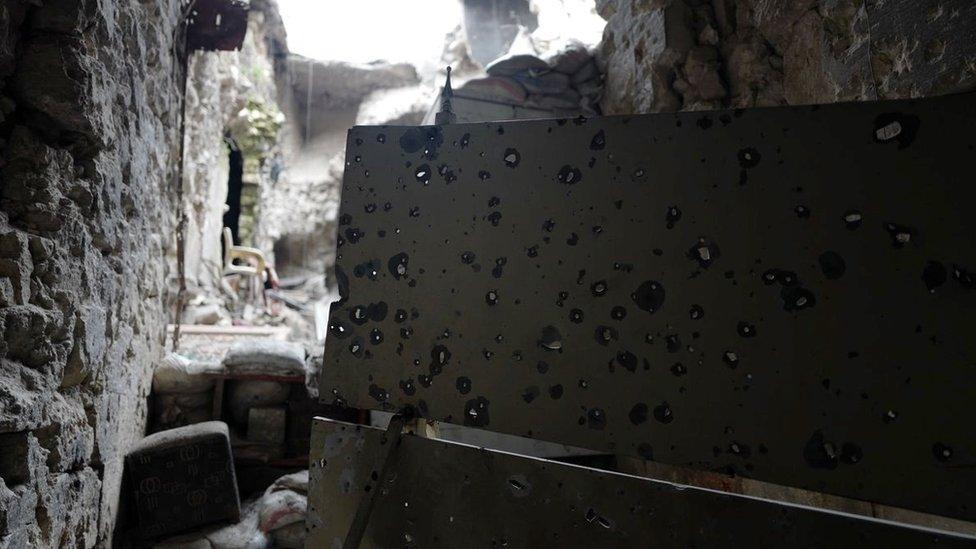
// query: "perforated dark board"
[[787, 294], [441, 494]]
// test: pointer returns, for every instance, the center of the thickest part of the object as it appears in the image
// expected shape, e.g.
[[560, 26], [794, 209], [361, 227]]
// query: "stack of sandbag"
[[182, 392], [566, 81]]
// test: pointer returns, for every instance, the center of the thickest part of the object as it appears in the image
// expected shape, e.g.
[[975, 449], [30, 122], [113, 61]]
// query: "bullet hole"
[[672, 216], [375, 336], [599, 141], [820, 454], [356, 347], [638, 414], [338, 329], [422, 174], [542, 366], [467, 258], [378, 393], [673, 343], [649, 296], [704, 252], [381, 138], [832, 265], [476, 412], [358, 315], [934, 275], [749, 158], [599, 288], [569, 175], [745, 329], [900, 235], [367, 269], [740, 449], [440, 355], [802, 211], [494, 201], [605, 334], [353, 235], [491, 298], [398, 265], [407, 386], [678, 369], [463, 385], [696, 312], [400, 316], [896, 127], [484, 175], [412, 140], [369, 208], [556, 391], [628, 360], [964, 277], [345, 219], [530, 394], [731, 359], [618, 313], [663, 413], [551, 340], [852, 219], [465, 140], [889, 416], [941, 452], [796, 298], [495, 218], [512, 158], [576, 316], [596, 418]]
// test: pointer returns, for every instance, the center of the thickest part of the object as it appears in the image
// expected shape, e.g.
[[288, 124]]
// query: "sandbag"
[[178, 374]]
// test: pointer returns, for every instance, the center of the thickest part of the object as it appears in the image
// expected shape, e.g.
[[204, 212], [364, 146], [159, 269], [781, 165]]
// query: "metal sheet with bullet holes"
[[787, 294], [442, 494]]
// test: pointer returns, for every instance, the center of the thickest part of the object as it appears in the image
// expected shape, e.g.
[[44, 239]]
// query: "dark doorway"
[[235, 182]]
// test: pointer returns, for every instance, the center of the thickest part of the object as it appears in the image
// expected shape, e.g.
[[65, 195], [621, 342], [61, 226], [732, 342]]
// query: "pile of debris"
[[566, 82]]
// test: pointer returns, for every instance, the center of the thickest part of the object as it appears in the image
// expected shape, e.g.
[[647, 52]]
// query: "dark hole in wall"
[[235, 183]]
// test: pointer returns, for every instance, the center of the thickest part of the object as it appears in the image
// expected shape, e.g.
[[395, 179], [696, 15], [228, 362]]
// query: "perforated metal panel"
[[787, 294], [440, 494]]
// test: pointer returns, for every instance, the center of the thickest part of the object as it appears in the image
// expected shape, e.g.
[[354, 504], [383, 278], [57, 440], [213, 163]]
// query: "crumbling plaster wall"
[[300, 211], [222, 85], [669, 55], [90, 98]]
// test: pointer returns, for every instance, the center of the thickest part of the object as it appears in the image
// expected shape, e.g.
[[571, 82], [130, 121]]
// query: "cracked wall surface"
[[89, 103], [669, 55]]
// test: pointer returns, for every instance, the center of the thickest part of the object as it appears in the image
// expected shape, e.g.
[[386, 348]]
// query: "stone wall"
[[669, 55], [89, 98], [231, 93]]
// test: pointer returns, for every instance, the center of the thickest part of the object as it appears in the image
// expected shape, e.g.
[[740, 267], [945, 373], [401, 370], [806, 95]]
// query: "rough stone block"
[[183, 478], [266, 425]]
